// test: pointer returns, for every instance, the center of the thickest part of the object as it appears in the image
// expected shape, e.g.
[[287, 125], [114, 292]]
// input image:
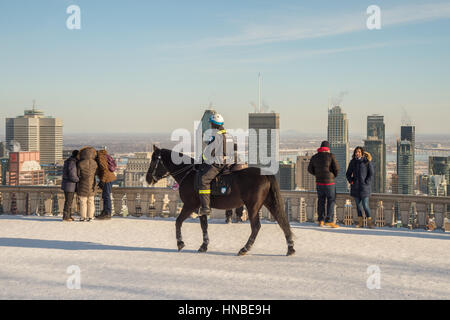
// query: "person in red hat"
[[324, 167]]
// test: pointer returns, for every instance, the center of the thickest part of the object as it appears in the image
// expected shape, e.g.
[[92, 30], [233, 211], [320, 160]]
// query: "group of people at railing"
[[84, 171]]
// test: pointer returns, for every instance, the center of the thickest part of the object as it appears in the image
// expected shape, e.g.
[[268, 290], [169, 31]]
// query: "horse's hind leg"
[[185, 212], [253, 215], [204, 225], [284, 224]]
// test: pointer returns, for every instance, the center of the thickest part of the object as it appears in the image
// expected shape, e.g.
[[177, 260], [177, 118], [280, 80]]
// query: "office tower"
[[338, 139], [405, 167], [440, 166], [4, 162], [394, 183], [24, 169], [286, 175], [263, 125], [422, 183], [374, 146], [376, 131], [303, 179], [437, 185], [35, 132], [406, 159], [408, 133]]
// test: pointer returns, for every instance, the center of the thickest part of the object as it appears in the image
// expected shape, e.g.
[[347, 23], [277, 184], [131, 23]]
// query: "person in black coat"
[[324, 166], [359, 174], [69, 184]]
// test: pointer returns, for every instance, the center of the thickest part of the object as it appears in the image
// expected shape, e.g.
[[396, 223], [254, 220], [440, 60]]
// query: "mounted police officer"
[[214, 160]]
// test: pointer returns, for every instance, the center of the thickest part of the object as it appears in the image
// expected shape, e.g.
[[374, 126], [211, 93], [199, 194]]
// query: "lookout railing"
[[392, 210]]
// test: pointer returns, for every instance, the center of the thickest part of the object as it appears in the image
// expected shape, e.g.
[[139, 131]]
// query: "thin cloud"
[[306, 28]]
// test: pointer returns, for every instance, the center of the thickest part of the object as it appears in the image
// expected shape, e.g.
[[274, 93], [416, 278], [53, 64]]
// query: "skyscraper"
[[263, 125], [405, 167], [303, 179], [286, 175], [440, 166], [338, 139], [406, 159], [376, 146], [36, 132]]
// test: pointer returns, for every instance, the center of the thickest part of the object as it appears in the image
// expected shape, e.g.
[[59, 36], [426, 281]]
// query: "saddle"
[[221, 184]]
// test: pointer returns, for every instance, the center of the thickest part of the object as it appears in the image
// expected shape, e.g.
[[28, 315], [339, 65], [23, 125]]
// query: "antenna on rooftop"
[[259, 92]]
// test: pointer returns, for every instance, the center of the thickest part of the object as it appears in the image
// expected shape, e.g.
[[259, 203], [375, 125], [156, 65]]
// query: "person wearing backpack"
[[359, 174], [106, 176]]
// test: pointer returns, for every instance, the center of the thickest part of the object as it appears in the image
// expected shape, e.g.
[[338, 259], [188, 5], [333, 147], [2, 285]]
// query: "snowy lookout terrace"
[[134, 255]]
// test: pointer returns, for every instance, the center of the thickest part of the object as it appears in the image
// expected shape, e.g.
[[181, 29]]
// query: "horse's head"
[[156, 170]]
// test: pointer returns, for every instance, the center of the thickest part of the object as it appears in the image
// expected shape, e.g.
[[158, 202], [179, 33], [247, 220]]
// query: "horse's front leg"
[[204, 225], [185, 212]]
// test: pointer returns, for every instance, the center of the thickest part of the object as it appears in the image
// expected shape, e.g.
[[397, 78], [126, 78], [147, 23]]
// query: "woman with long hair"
[[359, 174]]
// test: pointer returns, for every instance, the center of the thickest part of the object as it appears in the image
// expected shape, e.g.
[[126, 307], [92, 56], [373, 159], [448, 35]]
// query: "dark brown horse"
[[249, 187]]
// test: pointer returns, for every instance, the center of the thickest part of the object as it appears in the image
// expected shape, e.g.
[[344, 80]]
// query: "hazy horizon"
[[145, 66]]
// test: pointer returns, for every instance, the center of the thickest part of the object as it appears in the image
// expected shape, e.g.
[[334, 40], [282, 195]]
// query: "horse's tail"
[[274, 203]]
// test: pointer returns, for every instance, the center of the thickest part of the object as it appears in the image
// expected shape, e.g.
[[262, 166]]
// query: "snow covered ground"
[[136, 258]]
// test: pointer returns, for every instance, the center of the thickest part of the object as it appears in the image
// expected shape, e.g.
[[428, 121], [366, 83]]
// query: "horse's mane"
[[168, 152]]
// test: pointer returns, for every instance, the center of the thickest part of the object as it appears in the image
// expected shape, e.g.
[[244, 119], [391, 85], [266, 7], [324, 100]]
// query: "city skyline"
[[151, 67]]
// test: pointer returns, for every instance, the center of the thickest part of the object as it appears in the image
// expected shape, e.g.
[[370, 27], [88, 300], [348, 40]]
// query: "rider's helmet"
[[216, 119]]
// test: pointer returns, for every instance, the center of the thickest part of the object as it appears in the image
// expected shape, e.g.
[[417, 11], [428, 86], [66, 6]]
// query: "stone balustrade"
[[301, 206]]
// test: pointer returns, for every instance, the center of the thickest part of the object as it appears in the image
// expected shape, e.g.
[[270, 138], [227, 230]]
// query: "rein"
[[169, 173]]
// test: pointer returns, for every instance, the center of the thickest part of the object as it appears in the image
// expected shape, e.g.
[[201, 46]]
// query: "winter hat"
[[325, 144]]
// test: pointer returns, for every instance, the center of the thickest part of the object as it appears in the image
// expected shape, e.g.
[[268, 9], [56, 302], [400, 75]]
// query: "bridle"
[[158, 161]]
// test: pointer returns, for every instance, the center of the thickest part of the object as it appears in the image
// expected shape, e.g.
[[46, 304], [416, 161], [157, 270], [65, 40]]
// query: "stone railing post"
[[21, 201], [389, 212], [379, 218], [439, 215], [118, 202], [6, 202], [61, 200], [373, 206], [131, 203], [173, 203], [302, 210], [295, 209], [310, 207], [340, 209], [405, 208], [145, 202], [421, 208], [48, 203], [34, 202], [159, 204]]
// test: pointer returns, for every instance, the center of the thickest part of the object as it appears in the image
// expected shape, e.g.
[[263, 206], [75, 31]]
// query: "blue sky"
[[153, 66]]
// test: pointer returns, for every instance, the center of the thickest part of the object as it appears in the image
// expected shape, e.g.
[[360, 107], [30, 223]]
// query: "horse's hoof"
[[180, 245], [290, 251], [242, 252], [203, 248]]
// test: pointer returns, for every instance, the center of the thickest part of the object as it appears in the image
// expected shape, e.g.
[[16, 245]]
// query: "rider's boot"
[[204, 201]]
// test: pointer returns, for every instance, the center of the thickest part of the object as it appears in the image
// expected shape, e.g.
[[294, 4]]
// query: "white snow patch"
[[136, 258]]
